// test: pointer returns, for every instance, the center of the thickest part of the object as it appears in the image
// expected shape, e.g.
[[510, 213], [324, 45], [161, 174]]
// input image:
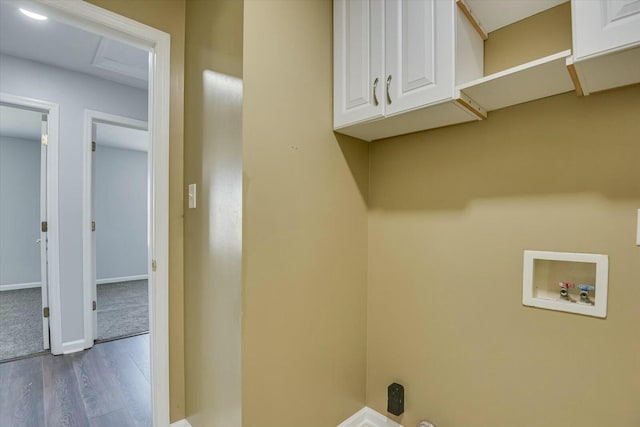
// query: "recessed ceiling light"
[[33, 15]]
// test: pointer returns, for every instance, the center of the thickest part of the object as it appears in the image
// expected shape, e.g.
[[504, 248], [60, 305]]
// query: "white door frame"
[[52, 294], [92, 118], [97, 20]]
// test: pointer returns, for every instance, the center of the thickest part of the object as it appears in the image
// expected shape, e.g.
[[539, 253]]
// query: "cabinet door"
[[358, 60], [604, 25], [419, 41]]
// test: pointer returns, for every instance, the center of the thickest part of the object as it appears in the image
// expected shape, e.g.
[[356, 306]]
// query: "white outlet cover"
[[638, 230], [192, 196]]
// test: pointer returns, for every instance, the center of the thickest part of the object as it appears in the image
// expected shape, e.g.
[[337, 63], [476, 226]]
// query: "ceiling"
[[64, 46], [494, 14]]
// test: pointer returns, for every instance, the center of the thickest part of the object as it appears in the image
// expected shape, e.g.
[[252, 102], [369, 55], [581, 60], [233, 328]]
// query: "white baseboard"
[[181, 423], [13, 287], [368, 417], [72, 346], [122, 279]]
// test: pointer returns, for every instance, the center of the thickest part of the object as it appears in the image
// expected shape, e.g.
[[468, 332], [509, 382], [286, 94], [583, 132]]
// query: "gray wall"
[[74, 92], [120, 212], [19, 211]]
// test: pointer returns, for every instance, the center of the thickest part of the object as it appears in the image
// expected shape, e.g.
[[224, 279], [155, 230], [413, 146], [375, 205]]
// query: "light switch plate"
[[192, 196], [638, 230]]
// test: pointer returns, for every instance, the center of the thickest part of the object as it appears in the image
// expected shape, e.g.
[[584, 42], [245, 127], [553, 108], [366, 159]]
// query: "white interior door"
[[44, 274]]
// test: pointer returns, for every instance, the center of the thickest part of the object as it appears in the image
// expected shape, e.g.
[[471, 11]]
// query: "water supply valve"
[[584, 293], [564, 289]]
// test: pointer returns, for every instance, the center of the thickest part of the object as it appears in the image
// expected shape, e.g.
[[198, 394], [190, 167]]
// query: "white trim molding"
[[16, 286], [109, 280], [181, 423], [105, 23], [72, 346]]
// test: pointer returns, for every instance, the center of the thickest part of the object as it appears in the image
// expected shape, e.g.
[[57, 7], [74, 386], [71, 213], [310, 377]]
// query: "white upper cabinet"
[[403, 66], [394, 68], [358, 60], [419, 48], [601, 26], [606, 43]]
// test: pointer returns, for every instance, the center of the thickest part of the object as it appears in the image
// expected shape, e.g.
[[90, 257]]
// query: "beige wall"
[[305, 229], [213, 230], [169, 16], [451, 212], [541, 35]]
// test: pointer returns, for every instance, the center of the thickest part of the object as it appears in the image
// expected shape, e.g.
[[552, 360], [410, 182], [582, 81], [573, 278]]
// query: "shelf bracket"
[[469, 104], [574, 76], [466, 11]]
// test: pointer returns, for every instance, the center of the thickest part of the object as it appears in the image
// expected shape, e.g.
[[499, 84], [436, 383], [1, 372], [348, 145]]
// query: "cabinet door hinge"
[[94, 306], [93, 146], [93, 226], [44, 139], [154, 265], [45, 312], [43, 226]]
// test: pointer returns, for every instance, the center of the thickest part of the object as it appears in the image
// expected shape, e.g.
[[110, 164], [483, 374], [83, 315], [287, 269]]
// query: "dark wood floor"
[[106, 386]]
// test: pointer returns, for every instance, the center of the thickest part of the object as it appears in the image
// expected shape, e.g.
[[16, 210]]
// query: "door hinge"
[[94, 306], [93, 146], [154, 265], [44, 139], [45, 312], [93, 226], [43, 226]]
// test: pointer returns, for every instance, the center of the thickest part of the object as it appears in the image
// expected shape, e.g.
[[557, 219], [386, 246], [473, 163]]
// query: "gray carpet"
[[20, 323], [123, 309]]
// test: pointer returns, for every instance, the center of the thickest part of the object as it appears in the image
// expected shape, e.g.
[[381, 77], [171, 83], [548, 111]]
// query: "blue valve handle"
[[586, 288]]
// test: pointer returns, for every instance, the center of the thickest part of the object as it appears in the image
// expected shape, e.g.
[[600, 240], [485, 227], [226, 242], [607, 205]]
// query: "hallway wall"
[[121, 212]]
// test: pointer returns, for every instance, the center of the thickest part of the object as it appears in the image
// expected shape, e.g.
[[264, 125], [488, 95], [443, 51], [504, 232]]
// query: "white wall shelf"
[[495, 14], [527, 82], [543, 271]]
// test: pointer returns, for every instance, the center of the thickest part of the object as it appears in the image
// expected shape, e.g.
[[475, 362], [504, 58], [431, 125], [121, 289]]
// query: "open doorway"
[[24, 317], [120, 212], [95, 70]]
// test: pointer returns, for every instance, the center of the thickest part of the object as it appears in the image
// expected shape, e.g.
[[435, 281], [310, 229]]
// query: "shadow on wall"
[[355, 151], [556, 146]]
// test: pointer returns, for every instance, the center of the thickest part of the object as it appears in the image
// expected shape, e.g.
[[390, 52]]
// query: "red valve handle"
[[567, 285]]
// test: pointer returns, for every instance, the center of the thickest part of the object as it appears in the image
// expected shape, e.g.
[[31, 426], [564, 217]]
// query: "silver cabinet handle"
[[388, 94], [375, 89]]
